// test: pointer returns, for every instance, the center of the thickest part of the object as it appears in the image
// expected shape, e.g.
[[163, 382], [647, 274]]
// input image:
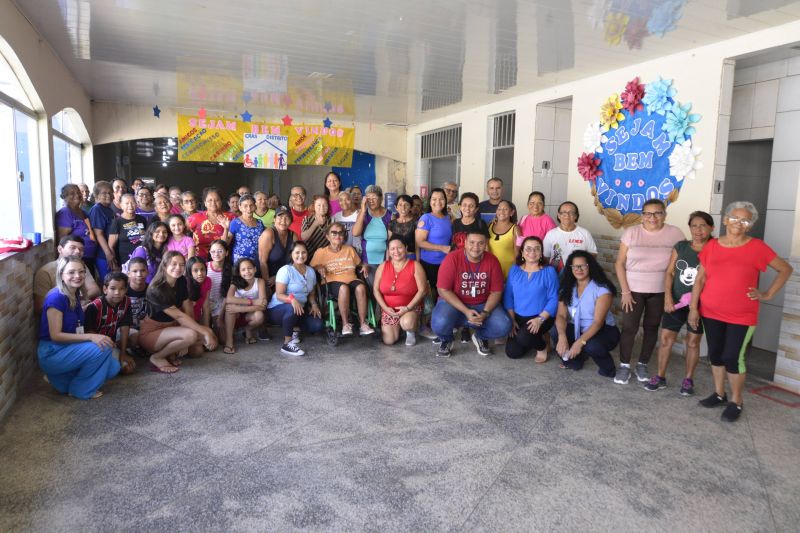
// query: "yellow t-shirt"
[[502, 247], [339, 266]]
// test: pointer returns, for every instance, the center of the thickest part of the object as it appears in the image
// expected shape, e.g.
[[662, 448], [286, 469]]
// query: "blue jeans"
[[445, 318], [284, 316], [79, 369]]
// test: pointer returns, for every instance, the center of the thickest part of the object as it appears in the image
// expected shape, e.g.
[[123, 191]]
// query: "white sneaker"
[[296, 338], [411, 338], [347, 330], [366, 330], [292, 349]]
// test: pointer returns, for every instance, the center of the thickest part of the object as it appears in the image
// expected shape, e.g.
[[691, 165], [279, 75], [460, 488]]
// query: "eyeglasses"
[[568, 213], [652, 214], [335, 232], [739, 220], [529, 249], [298, 195], [454, 191], [580, 267]]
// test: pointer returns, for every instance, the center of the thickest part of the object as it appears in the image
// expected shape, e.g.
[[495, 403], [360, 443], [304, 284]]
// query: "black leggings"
[[432, 272], [598, 348], [524, 340], [652, 305], [727, 344]]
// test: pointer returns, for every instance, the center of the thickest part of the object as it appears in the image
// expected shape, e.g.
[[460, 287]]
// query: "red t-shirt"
[[730, 273], [297, 221], [472, 282], [405, 285]]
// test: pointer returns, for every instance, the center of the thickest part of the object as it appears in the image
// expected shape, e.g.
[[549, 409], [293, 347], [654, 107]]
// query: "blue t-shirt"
[[101, 218], [581, 310], [72, 317], [245, 239], [530, 296], [295, 284], [440, 231]]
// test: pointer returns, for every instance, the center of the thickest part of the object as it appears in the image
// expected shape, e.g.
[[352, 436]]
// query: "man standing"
[[297, 203], [487, 208], [45, 278], [451, 192], [470, 287]]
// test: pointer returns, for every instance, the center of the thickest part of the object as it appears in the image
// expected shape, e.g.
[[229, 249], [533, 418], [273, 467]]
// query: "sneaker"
[[732, 412], [366, 330], [623, 375], [295, 338], [714, 400], [428, 333], [655, 383], [641, 372], [481, 344], [292, 349], [465, 335], [263, 335], [436, 340], [444, 349], [347, 330], [687, 387], [411, 338]]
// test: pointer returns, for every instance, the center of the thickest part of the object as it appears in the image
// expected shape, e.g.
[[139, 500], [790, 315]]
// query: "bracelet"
[[250, 301], [583, 342], [629, 292], [291, 297]]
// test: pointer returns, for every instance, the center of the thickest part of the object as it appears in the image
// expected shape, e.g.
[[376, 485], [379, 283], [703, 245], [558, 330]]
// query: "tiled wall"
[[17, 326], [787, 365], [551, 143]]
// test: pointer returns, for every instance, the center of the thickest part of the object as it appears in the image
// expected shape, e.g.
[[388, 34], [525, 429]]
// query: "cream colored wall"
[[697, 75]]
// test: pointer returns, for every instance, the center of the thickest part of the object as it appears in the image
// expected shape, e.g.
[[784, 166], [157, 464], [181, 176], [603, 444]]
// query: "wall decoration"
[[634, 20], [265, 151], [156, 111], [640, 148]]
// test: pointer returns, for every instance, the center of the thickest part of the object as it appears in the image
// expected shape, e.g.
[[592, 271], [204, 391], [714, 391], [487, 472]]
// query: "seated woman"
[[74, 362], [336, 264], [400, 288], [171, 331], [245, 303], [584, 321], [531, 300], [294, 303]]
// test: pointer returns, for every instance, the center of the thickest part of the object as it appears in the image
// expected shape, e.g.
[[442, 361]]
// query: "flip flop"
[[162, 369], [229, 350]]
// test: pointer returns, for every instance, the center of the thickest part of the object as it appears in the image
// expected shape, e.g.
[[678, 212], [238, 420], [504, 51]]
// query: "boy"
[[110, 315]]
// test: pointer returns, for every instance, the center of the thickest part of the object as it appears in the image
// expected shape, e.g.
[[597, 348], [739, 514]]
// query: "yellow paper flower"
[[610, 115], [616, 24]]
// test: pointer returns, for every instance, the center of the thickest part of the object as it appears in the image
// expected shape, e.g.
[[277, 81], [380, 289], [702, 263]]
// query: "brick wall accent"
[[18, 329], [787, 364]]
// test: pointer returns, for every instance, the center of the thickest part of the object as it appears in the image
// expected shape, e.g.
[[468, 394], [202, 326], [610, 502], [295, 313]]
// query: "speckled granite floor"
[[366, 437]]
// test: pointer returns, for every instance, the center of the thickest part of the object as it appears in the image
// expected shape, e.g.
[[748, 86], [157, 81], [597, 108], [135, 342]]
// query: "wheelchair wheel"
[[331, 337]]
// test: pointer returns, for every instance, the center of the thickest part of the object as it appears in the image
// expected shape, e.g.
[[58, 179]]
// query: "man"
[[451, 192], [567, 237], [242, 190], [470, 294], [488, 208], [45, 278], [297, 203], [137, 184]]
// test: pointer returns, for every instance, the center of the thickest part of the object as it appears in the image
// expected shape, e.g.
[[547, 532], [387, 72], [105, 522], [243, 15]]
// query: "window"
[[67, 151], [500, 163], [440, 151]]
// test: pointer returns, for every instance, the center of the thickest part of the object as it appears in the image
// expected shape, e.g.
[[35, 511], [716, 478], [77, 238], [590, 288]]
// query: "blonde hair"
[[61, 266]]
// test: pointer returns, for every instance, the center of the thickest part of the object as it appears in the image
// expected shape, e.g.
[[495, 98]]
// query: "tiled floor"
[[367, 437]]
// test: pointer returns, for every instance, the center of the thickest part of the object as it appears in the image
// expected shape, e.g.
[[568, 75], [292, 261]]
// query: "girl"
[[219, 272], [247, 295], [199, 285], [333, 186], [152, 247], [503, 235], [180, 240], [536, 223]]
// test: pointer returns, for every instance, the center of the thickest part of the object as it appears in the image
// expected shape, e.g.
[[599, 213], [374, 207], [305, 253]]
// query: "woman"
[[294, 303], [536, 222], [355, 194], [469, 221], [246, 230], [188, 204], [175, 200], [336, 264], [404, 225], [86, 197], [101, 216], [678, 282], [120, 187], [567, 237], [163, 207], [71, 220], [726, 296], [644, 253], [152, 248], [144, 203], [126, 231], [315, 226], [531, 300], [263, 212], [433, 235], [333, 186], [584, 321], [233, 204], [170, 331], [372, 226], [75, 363], [417, 206], [400, 288], [503, 235], [273, 249], [348, 217], [212, 224]]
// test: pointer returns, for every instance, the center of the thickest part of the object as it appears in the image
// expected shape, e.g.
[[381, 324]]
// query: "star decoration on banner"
[[156, 111], [246, 116], [328, 106], [201, 113], [327, 122], [287, 120]]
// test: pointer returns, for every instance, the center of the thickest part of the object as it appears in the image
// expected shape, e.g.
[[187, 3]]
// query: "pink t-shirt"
[[648, 256], [535, 226], [180, 245]]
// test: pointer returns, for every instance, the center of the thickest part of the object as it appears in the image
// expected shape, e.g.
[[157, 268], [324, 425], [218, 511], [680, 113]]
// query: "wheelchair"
[[330, 311]]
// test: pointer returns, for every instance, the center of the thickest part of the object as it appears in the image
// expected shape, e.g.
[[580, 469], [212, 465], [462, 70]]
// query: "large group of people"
[[142, 272]]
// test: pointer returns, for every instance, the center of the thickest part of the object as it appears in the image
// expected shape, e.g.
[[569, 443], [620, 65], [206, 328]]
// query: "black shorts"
[[675, 320], [334, 286]]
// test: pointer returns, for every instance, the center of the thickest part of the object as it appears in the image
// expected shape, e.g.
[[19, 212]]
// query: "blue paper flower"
[[665, 16], [679, 122], [658, 95]]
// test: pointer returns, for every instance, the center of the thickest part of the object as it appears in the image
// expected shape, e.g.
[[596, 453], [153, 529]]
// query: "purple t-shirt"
[[78, 225], [152, 262]]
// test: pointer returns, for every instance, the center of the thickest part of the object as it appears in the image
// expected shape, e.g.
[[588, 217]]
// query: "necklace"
[[396, 273]]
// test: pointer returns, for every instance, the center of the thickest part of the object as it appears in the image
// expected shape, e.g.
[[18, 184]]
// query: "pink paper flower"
[[588, 167], [631, 97]]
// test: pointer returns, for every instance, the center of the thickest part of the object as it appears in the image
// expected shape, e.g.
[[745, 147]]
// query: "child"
[[152, 248], [247, 296], [199, 285], [180, 240], [137, 292], [110, 315], [219, 272]]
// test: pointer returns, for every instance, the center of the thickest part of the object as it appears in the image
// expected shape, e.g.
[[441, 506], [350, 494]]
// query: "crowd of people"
[[142, 272]]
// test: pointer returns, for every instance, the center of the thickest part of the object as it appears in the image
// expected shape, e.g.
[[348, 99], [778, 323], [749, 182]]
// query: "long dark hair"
[[430, 196], [191, 284], [153, 253], [596, 274], [227, 266], [159, 292], [327, 193], [237, 280], [520, 261]]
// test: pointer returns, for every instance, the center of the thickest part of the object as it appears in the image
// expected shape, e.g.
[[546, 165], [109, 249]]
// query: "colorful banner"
[[222, 140], [262, 150]]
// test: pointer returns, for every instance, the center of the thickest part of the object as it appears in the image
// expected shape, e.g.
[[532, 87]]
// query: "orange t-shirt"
[[339, 266]]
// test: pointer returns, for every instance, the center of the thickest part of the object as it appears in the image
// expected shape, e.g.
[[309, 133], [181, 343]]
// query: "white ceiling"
[[376, 61]]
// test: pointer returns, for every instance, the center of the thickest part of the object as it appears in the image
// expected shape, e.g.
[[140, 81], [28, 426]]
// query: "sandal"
[[229, 350], [96, 395]]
